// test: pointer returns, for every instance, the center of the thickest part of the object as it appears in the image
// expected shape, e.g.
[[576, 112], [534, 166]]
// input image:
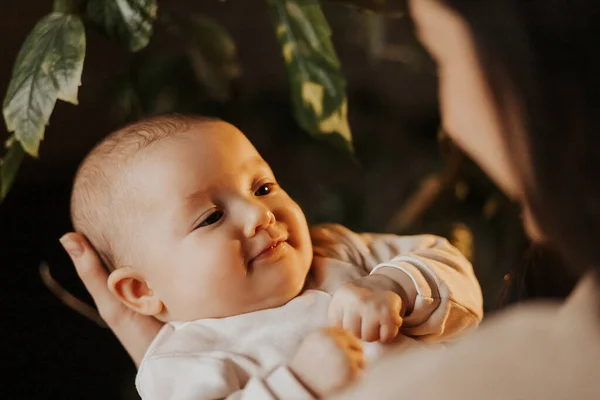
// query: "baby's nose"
[[259, 220]]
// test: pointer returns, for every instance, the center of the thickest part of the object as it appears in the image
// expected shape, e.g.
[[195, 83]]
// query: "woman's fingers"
[[134, 331], [90, 270]]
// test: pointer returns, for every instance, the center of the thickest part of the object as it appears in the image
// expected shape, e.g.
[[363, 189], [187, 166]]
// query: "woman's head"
[[520, 92]]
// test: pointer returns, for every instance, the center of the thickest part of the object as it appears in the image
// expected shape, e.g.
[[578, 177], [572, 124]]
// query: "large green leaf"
[[318, 87], [128, 21], [213, 54], [9, 165], [48, 68], [391, 8]]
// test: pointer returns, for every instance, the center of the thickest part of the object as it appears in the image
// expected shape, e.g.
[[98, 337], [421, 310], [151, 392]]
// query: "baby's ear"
[[131, 288]]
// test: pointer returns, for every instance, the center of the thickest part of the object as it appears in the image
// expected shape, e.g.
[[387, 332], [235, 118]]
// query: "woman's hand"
[[134, 331]]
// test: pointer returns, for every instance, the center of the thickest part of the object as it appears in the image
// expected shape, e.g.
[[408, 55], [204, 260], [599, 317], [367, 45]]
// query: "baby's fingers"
[[389, 330], [353, 343], [352, 322], [345, 339], [370, 331]]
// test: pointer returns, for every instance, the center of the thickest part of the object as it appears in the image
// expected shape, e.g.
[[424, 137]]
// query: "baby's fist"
[[367, 307], [327, 360]]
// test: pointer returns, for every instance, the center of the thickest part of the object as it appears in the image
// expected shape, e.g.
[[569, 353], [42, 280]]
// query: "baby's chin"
[[283, 295], [249, 305], [272, 291], [281, 299]]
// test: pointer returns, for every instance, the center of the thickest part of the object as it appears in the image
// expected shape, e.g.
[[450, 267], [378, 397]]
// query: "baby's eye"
[[264, 189], [212, 219]]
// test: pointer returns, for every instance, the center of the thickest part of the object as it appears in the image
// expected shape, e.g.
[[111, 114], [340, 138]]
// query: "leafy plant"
[[318, 87], [50, 64]]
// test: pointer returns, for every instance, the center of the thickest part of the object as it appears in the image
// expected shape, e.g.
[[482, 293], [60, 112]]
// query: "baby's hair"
[[100, 198]]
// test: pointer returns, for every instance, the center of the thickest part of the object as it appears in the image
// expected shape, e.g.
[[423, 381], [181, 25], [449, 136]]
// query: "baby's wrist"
[[399, 282], [380, 282]]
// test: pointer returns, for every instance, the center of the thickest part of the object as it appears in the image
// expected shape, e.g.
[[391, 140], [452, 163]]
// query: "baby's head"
[[190, 220]]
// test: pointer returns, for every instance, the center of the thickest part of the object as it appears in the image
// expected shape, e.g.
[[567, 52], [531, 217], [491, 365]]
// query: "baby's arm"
[[204, 377], [436, 280]]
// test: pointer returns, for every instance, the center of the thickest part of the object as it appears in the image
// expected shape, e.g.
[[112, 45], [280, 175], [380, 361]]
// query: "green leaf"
[[391, 8], [9, 165], [161, 82], [212, 53], [127, 21], [48, 68], [317, 85]]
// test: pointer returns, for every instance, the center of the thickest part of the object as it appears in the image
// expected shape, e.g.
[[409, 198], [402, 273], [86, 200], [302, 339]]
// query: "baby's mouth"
[[267, 251], [271, 251]]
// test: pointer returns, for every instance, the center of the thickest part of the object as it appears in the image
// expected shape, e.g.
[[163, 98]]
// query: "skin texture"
[[215, 235]]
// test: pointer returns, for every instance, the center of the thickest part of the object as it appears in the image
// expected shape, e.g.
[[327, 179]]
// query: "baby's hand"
[[368, 307], [327, 360]]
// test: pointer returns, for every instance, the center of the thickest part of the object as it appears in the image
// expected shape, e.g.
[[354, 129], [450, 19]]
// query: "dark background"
[[49, 351]]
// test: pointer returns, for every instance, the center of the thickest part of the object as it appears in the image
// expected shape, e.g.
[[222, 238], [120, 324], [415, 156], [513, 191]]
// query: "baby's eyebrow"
[[254, 161], [195, 196], [248, 164]]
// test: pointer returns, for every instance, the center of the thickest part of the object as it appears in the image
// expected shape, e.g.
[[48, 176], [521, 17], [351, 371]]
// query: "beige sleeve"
[[449, 300], [203, 377]]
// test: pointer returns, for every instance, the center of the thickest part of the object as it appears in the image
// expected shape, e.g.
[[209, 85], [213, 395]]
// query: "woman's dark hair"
[[541, 59]]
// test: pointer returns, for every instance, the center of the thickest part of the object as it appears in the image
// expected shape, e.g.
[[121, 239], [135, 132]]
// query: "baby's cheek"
[[296, 222], [223, 265]]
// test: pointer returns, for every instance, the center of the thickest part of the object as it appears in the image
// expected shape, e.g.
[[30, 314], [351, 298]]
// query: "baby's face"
[[218, 236]]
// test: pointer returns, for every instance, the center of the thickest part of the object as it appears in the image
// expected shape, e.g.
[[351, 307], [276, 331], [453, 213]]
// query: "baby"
[[196, 231]]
